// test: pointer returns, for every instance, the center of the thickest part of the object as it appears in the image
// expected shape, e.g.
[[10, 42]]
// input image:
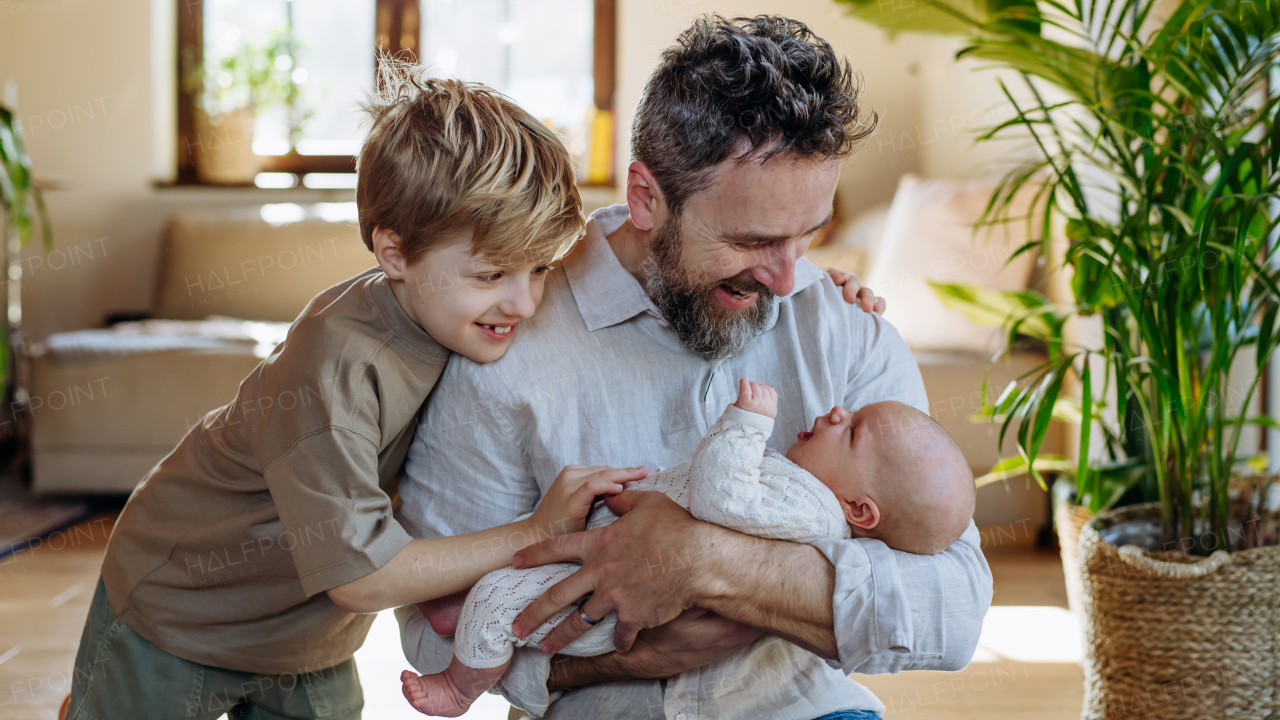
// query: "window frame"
[[397, 30]]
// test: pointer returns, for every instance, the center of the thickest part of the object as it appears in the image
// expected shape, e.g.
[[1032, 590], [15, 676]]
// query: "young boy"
[[236, 575], [887, 471]]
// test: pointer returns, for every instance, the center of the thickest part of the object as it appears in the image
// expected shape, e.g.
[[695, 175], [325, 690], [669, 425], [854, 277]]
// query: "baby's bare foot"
[[433, 694], [450, 693]]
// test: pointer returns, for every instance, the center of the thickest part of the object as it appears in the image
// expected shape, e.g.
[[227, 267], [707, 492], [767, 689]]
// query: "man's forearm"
[[784, 589], [781, 588], [568, 671]]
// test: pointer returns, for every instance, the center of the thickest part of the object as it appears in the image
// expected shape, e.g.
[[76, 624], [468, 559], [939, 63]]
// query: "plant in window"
[[230, 91]]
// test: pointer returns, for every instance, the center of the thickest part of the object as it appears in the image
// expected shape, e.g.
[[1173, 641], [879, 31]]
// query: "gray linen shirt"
[[596, 377]]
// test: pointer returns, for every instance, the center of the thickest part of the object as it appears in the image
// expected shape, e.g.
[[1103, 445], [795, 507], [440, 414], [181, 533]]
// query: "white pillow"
[[928, 235]]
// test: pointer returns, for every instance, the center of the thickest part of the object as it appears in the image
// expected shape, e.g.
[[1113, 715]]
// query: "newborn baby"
[[887, 471]]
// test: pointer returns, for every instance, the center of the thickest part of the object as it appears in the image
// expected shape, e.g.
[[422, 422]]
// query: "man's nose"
[[777, 270]]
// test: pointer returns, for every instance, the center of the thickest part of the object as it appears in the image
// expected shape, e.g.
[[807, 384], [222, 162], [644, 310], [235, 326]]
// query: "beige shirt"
[[223, 554]]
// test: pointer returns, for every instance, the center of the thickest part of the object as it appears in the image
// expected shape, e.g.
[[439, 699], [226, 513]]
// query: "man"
[[637, 347]]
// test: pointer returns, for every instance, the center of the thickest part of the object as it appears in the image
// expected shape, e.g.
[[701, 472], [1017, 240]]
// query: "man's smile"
[[733, 298]]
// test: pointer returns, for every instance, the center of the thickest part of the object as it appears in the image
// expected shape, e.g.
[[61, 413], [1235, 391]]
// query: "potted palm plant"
[[1159, 159]]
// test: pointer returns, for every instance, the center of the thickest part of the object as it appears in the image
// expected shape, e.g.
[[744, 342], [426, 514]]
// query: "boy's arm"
[[346, 543]]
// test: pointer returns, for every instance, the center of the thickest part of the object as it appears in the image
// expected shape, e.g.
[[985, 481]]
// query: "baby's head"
[[898, 475]]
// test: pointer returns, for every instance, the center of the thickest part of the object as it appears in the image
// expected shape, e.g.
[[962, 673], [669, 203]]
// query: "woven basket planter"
[[1068, 519], [1174, 637]]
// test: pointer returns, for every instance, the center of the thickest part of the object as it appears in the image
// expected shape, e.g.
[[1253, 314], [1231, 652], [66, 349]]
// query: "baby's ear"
[[862, 513]]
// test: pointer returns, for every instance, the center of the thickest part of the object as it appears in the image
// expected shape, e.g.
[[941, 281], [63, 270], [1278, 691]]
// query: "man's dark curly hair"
[[747, 84]]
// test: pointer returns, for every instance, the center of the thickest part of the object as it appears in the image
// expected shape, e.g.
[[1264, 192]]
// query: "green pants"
[[120, 674]]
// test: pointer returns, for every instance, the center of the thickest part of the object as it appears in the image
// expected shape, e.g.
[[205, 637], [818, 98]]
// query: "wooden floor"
[[45, 593]]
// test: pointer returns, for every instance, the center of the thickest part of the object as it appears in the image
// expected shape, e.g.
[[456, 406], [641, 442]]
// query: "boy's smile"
[[497, 332]]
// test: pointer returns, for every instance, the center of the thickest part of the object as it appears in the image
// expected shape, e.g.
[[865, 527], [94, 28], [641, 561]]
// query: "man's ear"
[[386, 248], [643, 196], [862, 513]]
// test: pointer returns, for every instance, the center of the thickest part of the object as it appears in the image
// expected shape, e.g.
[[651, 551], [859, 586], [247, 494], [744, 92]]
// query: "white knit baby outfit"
[[732, 481]]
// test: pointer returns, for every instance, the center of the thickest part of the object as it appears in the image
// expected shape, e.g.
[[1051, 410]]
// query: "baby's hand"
[[565, 507], [757, 398]]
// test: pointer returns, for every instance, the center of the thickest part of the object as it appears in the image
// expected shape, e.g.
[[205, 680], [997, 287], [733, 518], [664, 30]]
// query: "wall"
[[94, 80], [890, 69], [87, 71]]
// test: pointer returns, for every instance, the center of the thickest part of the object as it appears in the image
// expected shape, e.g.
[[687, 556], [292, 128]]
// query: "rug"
[[25, 517]]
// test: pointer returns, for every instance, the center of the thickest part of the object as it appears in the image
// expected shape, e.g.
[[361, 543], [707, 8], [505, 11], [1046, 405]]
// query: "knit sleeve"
[[734, 484]]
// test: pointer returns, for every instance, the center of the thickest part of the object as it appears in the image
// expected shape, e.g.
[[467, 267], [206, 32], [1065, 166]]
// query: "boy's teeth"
[[497, 329]]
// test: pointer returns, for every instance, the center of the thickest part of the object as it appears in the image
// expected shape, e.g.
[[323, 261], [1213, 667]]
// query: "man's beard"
[[702, 323]]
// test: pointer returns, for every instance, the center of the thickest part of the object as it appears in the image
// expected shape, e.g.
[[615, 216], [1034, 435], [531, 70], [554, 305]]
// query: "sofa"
[[107, 404]]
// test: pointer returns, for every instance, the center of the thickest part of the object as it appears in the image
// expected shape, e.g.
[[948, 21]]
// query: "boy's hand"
[[854, 293], [757, 398], [565, 507]]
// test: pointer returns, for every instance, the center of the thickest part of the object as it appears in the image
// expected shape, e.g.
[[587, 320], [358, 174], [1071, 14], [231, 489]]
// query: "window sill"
[[593, 196], [251, 193]]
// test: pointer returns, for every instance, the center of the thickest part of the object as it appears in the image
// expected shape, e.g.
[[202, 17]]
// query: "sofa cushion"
[[233, 262], [928, 235]]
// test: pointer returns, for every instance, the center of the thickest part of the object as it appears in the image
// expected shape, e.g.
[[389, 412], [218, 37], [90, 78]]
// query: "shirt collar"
[[606, 294]]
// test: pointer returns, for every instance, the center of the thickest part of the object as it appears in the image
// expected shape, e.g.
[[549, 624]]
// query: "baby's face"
[[889, 461], [839, 443]]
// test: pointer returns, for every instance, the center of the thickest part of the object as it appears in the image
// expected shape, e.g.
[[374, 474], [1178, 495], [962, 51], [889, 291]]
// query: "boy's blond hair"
[[442, 155]]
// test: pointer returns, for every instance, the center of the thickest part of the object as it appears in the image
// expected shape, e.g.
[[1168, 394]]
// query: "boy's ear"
[[643, 196], [386, 248], [862, 513]]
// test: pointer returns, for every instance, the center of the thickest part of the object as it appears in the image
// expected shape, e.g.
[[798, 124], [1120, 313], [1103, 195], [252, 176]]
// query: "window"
[[288, 74]]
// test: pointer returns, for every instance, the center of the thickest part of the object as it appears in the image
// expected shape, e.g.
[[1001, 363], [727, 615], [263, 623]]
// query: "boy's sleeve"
[[336, 520]]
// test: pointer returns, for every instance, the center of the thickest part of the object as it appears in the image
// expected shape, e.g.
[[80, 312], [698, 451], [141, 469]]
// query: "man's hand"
[[629, 566], [695, 638], [656, 561], [854, 293]]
